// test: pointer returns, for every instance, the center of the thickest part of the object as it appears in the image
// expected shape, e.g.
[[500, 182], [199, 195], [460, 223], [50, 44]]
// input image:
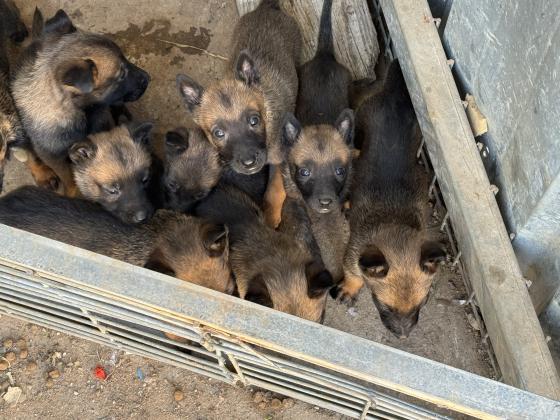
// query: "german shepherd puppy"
[[63, 87], [11, 131], [242, 114], [318, 157], [271, 268], [172, 243], [390, 248]]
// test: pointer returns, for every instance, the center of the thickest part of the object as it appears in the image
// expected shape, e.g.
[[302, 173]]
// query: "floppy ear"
[[157, 262], [79, 75], [319, 280], [246, 70], [82, 151], [373, 263], [290, 130], [60, 23], [345, 126], [257, 292], [215, 239], [431, 255], [190, 91], [141, 133], [175, 143]]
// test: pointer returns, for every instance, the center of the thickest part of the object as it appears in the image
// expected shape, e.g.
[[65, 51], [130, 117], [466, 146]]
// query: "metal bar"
[[518, 340]]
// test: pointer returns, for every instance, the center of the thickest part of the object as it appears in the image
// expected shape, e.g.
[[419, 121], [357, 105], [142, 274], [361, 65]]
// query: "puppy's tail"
[[325, 44], [38, 24]]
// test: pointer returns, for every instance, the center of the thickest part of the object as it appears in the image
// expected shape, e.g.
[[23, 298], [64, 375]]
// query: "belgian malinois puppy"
[[271, 268], [63, 87], [11, 131], [172, 243], [242, 114], [390, 248], [116, 169], [318, 157]]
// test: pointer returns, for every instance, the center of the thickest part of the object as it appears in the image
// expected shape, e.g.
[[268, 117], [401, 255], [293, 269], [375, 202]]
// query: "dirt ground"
[[154, 35]]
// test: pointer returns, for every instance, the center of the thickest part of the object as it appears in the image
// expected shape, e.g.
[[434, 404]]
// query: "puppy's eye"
[[340, 171], [146, 179], [200, 195], [173, 186], [112, 189], [218, 133], [304, 172], [254, 120], [122, 74]]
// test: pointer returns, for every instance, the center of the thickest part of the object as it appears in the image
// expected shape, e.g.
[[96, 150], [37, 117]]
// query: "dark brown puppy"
[[63, 87], [390, 248], [242, 114], [318, 157], [271, 268], [118, 170], [11, 131], [175, 244]]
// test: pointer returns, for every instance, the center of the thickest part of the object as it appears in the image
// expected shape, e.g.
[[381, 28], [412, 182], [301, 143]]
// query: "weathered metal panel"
[[517, 338]]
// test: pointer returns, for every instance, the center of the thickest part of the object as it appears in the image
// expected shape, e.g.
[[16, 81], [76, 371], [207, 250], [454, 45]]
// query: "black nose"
[[140, 216], [325, 201], [249, 162]]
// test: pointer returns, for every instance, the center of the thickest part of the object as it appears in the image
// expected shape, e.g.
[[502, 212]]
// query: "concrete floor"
[[148, 33]]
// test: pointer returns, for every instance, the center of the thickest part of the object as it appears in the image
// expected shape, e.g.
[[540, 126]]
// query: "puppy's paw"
[[344, 296]]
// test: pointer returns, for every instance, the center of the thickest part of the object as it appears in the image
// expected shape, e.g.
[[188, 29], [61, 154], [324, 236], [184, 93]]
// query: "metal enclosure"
[[89, 295]]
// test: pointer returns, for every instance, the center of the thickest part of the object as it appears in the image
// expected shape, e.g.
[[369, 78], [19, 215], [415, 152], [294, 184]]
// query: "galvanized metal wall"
[[506, 53]]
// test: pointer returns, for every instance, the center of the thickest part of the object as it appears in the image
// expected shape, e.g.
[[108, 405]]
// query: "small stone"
[[8, 343], [23, 354], [31, 367], [49, 383], [258, 397], [75, 393], [262, 405], [34, 328], [4, 364], [276, 403], [54, 374], [288, 403], [178, 395], [21, 344], [10, 356]]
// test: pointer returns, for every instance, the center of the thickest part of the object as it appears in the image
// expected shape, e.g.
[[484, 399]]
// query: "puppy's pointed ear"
[[157, 262], [246, 69], [190, 91], [82, 151], [215, 239], [257, 292], [431, 255], [176, 143], [373, 263], [290, 130], [38, 24], [319, 280], [60, 23], [141, 133], [79, 75], [345, 126]]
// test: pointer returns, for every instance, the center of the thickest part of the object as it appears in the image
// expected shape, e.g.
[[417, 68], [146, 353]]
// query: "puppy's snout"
[[325, 201], [249, 162]]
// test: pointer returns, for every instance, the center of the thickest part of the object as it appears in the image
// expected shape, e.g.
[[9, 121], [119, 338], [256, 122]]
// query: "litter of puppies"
[[264, 198]]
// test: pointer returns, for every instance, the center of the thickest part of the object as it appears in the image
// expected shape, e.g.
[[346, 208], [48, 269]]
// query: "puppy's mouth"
[[324, 210]]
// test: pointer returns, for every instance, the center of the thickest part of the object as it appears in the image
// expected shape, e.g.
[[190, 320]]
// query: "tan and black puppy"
[[318, 156], [271, 268], [390, 247], [242, 114], [63, 87], [192, 168], [11, 131], [175, 244], [118, 170]]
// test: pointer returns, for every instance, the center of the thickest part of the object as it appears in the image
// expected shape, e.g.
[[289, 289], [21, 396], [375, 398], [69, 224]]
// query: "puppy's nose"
[[140, 216], [325, 201], [249, 162]]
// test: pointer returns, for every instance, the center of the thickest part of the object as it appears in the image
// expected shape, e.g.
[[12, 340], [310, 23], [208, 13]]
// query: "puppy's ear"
[[214, 238], [290, 130], [319, 280], [345, 126], [141, 133], [190, 91], [79, 75], [82, 151], [38, 24], [431, 255], [373, 263], [257, 292], [246, 70], [157, 262], [60, 23], [175, 143]]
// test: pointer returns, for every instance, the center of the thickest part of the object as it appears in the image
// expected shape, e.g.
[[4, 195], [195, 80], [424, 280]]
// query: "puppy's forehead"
[[321, 144]]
